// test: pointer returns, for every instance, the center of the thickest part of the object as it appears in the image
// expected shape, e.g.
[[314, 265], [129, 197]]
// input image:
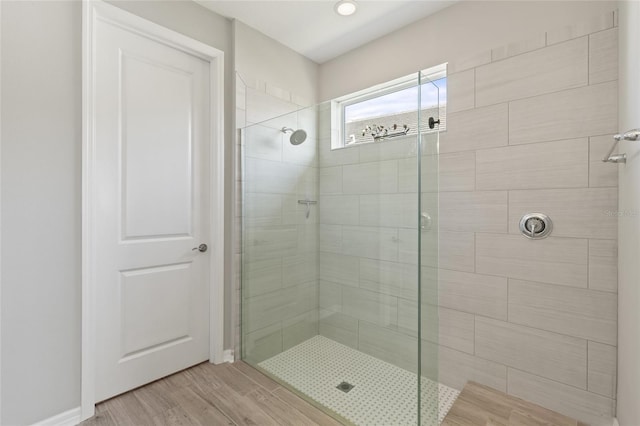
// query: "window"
[[389, 111]]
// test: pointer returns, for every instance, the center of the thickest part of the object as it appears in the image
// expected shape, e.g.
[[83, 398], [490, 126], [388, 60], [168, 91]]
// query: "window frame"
[[339, 105]]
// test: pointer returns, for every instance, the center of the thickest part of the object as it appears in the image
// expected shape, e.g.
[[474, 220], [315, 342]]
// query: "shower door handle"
[[425, 221]]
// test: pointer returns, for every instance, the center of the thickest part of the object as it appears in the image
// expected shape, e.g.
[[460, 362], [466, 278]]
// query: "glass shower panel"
[[433, 103], [335, 244], [279, 234]]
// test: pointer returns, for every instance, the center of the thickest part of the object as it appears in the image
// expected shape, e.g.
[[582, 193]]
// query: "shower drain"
[[345, 387]]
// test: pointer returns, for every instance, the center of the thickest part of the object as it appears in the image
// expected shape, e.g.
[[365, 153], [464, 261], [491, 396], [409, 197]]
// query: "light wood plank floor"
[[479, 405], [237, 394], [207, 394]]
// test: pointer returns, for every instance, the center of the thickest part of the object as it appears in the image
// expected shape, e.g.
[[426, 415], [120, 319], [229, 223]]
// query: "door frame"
[[97, 10]]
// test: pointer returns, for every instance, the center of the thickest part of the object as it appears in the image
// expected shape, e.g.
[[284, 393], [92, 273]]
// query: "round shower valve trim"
[[535, 226]]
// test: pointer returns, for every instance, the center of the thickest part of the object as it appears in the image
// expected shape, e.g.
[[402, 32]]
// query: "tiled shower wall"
[[528, 124], [279, 257]]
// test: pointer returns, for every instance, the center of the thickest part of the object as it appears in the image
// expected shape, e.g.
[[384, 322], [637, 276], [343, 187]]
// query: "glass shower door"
[[432, 105]]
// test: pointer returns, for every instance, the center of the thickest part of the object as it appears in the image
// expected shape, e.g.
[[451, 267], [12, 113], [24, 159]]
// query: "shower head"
[[297, 136]]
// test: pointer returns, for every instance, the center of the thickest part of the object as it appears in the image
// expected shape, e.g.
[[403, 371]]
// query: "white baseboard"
[[228, 356], [615, 422], [68, 418]]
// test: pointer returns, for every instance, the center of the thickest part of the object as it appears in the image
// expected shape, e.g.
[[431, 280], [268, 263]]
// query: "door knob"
[[201, 248]]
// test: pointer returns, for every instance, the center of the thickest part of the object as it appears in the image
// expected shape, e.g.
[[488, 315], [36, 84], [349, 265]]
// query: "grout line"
[[508, 211], [587, 378], [589, 60], [475, 253], [475, 89], [589, 162], [508, 287], [509, 123], [474, 335], [588, 263]]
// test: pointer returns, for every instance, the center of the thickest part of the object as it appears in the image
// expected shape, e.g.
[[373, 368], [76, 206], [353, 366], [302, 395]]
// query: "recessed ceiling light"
[[346, 7]]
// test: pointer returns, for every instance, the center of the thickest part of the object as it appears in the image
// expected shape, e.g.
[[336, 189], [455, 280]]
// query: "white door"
[[151, 177], [628, 411]]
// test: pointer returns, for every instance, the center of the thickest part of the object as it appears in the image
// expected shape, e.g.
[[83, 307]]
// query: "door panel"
[[151, 174], [145, 325], [157, 189]]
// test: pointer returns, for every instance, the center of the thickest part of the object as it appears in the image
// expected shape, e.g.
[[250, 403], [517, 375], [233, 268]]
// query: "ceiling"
[[313, 29]]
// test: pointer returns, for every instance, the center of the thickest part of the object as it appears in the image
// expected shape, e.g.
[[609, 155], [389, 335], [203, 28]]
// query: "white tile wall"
[[594, 25], [388, 345], [602, 369], [461, 94], [512, 49], [548, 70], [553, 260], [551, 355], [447, 327], [603, 56], [481, 211], [370, 242], [392, 278], [455, 368], [339, 209], [484, 295], [589, 407], [379, 177], [603, 265], [586, 111], [558, 164], [469, 130], [584, 313], [389, 210]]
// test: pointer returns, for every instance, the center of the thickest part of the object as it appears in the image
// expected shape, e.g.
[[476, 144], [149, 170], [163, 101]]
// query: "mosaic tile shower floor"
[[383, 394]]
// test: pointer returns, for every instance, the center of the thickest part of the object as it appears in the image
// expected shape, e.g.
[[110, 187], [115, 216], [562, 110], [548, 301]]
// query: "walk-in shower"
[[340, 256]]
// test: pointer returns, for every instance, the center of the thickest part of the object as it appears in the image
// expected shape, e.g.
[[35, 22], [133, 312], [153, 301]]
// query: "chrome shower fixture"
[[297, 136]]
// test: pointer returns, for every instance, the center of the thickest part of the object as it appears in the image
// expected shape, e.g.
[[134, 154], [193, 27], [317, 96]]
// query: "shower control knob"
[[201, 248], [535, 225]]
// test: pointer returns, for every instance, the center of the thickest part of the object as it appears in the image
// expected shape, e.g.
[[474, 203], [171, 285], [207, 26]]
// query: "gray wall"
[[41, 98], [628, 409], [41, 190]]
